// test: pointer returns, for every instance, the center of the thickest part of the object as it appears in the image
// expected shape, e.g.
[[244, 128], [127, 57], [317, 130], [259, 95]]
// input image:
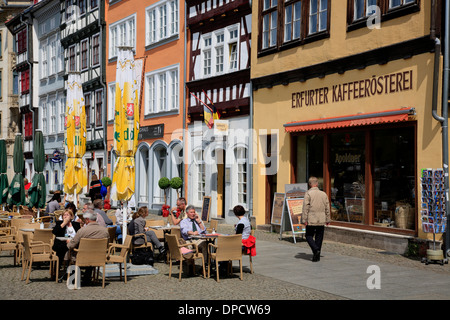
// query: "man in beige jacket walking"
[[316, 214]]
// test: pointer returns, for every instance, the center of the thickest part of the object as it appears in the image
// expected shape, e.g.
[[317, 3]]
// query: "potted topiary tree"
[[164, 184], [106, 181], [176, 183]]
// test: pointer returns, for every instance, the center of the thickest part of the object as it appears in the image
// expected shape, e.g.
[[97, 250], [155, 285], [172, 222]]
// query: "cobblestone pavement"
[[160, 287]]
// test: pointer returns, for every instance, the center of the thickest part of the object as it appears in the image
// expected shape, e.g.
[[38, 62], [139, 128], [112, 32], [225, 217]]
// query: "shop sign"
[[56, 156], [151, 132], [221, 128], [348, 158], [359, 89]]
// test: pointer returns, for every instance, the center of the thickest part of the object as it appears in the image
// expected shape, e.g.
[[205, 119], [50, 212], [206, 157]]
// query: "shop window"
[[347, 173], [360, 195], [393, 175]]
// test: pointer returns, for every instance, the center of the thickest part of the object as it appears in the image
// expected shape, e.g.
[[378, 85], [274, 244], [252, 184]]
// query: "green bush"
[[176, 183], [106, 181], [164, 183]]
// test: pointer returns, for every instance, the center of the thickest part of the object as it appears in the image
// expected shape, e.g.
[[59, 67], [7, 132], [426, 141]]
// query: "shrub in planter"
[[164, 183], [176, 183], [106, 181]]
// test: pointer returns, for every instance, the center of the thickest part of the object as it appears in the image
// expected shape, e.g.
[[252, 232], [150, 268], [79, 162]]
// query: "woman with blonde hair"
[[65, 227], [139, 227]]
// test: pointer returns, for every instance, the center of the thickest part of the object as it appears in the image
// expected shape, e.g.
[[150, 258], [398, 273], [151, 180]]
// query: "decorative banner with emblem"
[[126, 124]]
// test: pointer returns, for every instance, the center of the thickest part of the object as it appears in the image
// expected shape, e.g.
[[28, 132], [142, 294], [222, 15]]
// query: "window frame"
[[84, 55], [129, 35], [387, 13], [98, 108], [153, 22], [72, 59], [305, 35], [87, 108], [96, 50], [171, 99]]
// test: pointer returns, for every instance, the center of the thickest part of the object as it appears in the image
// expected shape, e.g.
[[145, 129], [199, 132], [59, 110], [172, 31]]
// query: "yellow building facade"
[[345, 93]]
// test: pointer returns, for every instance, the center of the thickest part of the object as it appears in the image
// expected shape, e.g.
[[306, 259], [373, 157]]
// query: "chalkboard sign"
[[206, 207], [278, 208]]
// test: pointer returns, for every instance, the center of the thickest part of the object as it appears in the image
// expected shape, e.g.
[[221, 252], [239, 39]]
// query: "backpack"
[[103, 190], [131, 228], [142, 256]]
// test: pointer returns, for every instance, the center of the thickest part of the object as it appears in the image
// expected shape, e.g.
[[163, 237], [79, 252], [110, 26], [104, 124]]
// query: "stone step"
[[112, 270]]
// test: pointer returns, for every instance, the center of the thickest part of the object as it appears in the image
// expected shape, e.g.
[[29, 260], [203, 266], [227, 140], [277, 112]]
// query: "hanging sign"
[[56, 156]]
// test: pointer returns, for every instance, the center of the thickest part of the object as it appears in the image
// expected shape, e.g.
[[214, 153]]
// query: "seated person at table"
[[193, 225], [91, 230], [139, 227], [243, 226], [102, 218], [53, 204], [179, 212], [71, 206], [64, 227]]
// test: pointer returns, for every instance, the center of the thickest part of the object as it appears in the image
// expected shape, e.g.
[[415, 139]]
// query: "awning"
[[388, 116]]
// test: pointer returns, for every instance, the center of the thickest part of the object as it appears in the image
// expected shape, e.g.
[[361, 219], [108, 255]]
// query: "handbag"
[[142, 256]]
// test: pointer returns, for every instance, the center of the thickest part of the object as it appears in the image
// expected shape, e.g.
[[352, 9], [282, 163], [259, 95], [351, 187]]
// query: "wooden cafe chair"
[[179, 252], [91, 253], [122, 257], [32, 255], [228, 248]]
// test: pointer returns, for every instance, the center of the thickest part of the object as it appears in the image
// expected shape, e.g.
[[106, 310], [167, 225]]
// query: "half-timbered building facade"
[[10, 116], [82, 37], [219, 74], [51, 96], [21, 28]]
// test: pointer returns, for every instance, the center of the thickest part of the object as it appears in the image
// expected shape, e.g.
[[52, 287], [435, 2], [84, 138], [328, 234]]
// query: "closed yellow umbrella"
[[75, 175], [126, 124], [126, 129]]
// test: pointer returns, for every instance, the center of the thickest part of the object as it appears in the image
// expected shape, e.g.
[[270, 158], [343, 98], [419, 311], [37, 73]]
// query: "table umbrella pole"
[[124, 221], [75, 202]]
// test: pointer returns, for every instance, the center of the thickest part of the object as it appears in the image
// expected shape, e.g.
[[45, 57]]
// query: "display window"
[[369, 173]]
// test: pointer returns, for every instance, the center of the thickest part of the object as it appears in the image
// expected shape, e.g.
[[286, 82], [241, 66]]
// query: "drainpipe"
[[250, 154], [184, 104], [445, 87], [443, 119]]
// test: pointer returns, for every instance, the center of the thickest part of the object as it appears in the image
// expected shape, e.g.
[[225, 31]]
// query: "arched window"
[[159, 171], [142, 175]]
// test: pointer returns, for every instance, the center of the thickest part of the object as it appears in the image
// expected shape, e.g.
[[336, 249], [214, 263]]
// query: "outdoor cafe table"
[[209, 238], [7, 220]]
